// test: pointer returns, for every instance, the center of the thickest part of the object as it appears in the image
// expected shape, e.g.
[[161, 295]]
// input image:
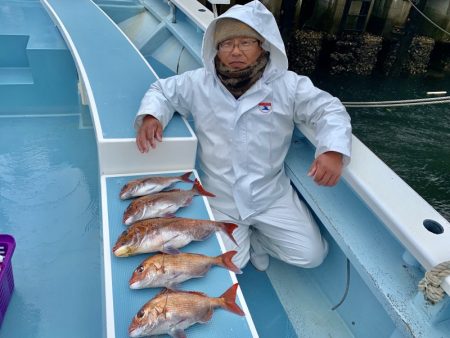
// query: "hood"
[[257, 16]]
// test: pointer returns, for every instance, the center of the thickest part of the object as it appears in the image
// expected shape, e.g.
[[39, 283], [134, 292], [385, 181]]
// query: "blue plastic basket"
[[7, 246]]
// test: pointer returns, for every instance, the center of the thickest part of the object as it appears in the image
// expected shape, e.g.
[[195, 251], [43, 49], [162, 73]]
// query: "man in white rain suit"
[[245, 105]]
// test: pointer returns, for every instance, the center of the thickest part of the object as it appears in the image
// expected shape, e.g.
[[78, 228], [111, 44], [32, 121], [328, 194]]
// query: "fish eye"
[[140, 314], [140, 268]]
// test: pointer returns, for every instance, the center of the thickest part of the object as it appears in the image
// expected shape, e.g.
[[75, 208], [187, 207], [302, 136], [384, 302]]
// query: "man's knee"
[[315, 259], [241, 258], [310, 258]]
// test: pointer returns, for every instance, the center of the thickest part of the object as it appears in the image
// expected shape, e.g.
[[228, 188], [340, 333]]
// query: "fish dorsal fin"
[[165, 291], [198, 293], [148, 179], [173, 190], [170, 214]]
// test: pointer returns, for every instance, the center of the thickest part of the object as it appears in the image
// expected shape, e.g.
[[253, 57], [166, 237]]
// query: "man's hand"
[[149, 132], [327, 168]]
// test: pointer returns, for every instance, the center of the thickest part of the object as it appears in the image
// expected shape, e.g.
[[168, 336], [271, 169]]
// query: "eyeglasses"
[[244, 45]]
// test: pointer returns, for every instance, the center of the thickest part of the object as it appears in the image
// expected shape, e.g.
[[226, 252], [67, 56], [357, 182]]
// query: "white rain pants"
[[286, 230]]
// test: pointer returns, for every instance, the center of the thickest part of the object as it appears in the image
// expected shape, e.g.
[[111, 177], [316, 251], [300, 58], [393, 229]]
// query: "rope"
[[179, 59], [400, 103], [430, 285], [428, 19], [428, 99], [347, 284]]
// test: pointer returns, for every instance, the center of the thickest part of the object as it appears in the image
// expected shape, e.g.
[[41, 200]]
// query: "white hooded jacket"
[[243, 142]]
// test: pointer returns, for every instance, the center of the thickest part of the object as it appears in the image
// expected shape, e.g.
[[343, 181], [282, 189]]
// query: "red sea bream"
[[162, 204], [151, 185], [172, 312], [167, 235], [163, 270]]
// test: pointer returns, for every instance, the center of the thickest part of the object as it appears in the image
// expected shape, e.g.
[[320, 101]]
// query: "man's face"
[[239, 53]]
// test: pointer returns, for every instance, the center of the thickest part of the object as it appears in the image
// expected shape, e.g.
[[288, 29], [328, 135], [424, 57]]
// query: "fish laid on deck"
[[168, 271], [167, 235], [162, 204], [172, 312], [151, 185]]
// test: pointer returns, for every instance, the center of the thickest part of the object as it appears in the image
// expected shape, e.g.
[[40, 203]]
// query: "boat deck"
[[115, 79], [285, 301], [50, 204]]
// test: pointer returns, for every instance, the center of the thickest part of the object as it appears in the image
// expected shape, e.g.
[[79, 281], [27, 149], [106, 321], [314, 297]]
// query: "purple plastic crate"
[[7, 245]]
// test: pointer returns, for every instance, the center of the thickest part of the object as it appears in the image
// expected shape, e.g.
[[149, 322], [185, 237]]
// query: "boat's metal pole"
[[214, 4], [172, 11]]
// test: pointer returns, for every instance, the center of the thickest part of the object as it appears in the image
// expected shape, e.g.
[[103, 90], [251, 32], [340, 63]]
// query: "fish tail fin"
[[185, 177], [200, 190], [229, 300], [228, 228], [225, 261]]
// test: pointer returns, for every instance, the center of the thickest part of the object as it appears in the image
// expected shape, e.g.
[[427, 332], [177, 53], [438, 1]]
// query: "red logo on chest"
[[265, 107]]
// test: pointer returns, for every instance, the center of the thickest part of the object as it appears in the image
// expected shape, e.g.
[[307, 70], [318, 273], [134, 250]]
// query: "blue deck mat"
[[49, 198], [127, 302]]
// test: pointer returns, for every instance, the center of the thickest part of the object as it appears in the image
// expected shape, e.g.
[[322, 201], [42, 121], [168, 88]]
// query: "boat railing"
[[198, 13], [423, 232], [114, 77], [364, 232]]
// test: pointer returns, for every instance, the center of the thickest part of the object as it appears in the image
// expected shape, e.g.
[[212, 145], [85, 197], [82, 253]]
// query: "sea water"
[[413, 140]]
